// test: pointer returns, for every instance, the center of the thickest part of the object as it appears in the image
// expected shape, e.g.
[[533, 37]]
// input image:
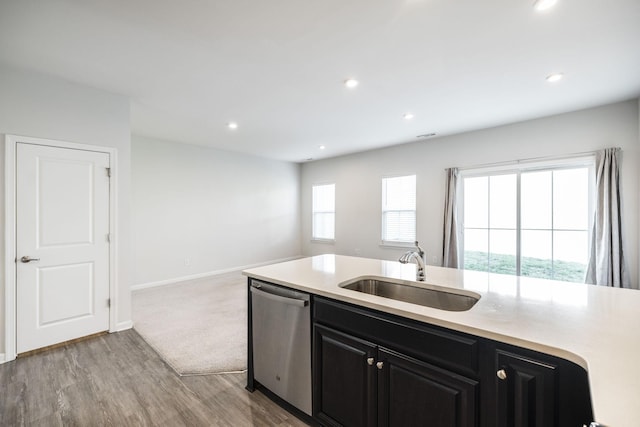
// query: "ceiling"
[[277, 67]]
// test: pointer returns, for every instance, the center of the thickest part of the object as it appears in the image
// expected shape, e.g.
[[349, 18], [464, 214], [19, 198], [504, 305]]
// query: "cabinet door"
[[414, 393], [526, 391], [344, 379]]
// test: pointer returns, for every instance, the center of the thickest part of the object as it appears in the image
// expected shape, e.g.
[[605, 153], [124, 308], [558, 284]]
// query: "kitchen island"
[[593, 327]]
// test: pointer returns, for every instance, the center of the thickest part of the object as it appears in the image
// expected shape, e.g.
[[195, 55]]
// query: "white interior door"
[[62, 225]]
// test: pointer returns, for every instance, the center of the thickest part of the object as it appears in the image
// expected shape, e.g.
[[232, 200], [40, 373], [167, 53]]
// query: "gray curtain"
[[606, 261], [450, 244]]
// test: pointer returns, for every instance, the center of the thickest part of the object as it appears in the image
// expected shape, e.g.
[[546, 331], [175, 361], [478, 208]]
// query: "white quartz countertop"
[[596, 327]]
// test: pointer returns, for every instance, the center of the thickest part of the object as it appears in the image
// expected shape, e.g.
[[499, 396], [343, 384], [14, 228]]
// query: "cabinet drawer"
[[440, 346]]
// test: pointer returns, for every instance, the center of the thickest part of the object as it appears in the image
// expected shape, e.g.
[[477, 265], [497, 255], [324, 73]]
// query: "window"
[[324, 212], [530, 221], [399, 209]]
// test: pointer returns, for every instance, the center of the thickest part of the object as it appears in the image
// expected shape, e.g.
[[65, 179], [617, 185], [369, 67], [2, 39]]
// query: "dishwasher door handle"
[[279, 298]]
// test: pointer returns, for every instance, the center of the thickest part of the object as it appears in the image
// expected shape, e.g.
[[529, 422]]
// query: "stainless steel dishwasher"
[[281, 323]]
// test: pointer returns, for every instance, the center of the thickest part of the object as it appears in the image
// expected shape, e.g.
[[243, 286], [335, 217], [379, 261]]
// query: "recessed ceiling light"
[[232, 125], [555, 77], [351, 83], [321, 147], [407, 116], [544, 4]]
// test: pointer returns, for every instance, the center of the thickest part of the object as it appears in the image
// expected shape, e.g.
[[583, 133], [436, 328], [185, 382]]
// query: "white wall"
[[41, 106], [357, 176], [216, 209]]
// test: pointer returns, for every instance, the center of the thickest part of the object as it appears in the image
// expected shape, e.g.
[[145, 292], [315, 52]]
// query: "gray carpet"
[[198, 327]]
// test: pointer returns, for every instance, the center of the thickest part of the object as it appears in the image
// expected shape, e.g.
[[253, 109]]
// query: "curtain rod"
[[529, 160]]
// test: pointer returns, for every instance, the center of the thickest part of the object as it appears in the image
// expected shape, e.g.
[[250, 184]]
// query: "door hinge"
[[108, 172], [109, 237], [109, 303]]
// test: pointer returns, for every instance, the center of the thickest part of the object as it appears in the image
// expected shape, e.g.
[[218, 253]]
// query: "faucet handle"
[[420, 250]]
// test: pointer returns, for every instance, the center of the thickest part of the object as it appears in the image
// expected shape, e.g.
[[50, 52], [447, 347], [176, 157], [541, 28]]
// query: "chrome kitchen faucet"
[[421, 260]]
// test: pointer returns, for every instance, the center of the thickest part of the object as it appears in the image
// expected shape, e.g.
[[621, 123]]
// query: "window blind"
[[399, 209], [323, 212]]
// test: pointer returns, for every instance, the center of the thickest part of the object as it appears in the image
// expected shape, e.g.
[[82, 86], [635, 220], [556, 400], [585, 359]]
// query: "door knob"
[[27, 258], [502, 374], [370, 361]]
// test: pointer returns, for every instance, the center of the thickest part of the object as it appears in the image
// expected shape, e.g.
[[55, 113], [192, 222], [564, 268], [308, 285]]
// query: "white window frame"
[[314, 212], [519, 168], [384, 210]]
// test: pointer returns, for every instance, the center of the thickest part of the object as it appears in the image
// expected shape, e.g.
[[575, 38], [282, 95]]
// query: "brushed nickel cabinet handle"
[[370, 361], [380, 365], [502, 374], [27, 258]]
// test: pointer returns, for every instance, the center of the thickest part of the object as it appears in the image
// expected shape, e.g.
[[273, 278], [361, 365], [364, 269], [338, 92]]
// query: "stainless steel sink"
[[422, 295]]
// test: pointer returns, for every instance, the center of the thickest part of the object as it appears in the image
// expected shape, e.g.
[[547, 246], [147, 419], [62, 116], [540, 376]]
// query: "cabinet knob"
[[380, 365], [370, 361], [502, 374]]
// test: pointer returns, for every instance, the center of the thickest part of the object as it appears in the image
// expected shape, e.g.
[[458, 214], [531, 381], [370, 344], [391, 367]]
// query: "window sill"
[[327, 241], [397, 245]]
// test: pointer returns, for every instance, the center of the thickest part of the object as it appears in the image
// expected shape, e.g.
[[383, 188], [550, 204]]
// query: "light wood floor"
[[118, 380]]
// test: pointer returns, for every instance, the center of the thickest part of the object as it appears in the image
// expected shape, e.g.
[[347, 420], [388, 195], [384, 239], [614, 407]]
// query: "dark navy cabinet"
[[376, 369]]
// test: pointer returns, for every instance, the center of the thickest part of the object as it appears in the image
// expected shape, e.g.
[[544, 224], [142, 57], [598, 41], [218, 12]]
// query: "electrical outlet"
[[357, 251], [435, 259], [187, 261]]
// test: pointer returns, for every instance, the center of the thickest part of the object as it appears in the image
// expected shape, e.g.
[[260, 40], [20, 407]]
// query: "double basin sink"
[[413, 292]]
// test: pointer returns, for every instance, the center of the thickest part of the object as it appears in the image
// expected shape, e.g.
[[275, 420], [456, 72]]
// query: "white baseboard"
[[123, 326], [207, 274]]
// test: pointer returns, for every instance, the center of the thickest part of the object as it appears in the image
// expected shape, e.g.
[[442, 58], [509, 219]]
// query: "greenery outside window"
[[530, 221]]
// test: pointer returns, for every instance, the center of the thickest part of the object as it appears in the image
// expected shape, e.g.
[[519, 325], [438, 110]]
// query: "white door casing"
[[63, 209]]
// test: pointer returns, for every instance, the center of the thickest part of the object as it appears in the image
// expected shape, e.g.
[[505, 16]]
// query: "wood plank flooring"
[[118, 380]]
